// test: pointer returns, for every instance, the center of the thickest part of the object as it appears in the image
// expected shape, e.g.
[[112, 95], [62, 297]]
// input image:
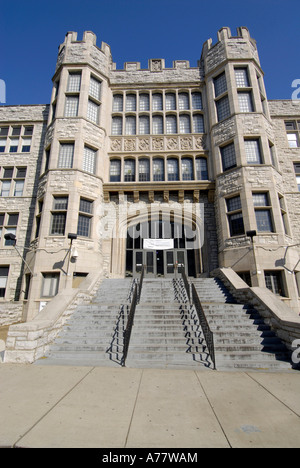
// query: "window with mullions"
[[253, 153], [198, 123], [59, 216], [241, 78], [157, 124], [245, 102], [129, 170], [274, 282], [118, 103], [144, 125], [184, 124], [115, 170], [95, 88], [8, 225], [235, 216], [157, 102], [170, 101], [220, 84], [50, 284], [263, 212], [89, 160], [201, 169], [197, 101], [183, 101], [293, 129], [93, 111], [173, 170], [144, 170], [158, 170], [74, 83], [131, 103], [117, 126], [187, 169], [171, 124], [71, 106], [223, 108], [85, 217], [65, 157], [144, 104], [228, 157]]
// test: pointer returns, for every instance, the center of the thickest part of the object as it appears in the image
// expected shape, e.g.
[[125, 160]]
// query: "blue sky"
[[136, 30]]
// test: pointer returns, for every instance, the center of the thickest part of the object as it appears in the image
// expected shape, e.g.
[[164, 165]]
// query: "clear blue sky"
[[136, 30]]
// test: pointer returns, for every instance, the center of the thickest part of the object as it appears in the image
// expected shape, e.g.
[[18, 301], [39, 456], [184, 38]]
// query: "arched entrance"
[[164, 246]]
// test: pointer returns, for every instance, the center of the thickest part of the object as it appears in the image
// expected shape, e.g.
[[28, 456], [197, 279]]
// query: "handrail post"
[[127, 332]]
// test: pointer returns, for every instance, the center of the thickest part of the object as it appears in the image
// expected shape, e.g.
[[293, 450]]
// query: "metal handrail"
[[186, 284], [127, 332], [208, 334]]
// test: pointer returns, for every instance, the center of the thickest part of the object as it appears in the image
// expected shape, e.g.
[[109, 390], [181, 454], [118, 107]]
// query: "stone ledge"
[[281, 318], [27, 342]]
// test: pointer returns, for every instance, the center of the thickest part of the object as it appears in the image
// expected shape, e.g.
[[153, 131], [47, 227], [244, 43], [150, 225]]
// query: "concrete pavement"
[[63, 406]]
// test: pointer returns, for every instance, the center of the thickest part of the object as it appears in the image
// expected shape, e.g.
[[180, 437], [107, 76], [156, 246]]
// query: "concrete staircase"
[[91, 329], [165, 334], [242, 339]]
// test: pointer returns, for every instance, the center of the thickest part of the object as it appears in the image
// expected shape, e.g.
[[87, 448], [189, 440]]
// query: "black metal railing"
[[208, 334], [127, 332], [186, 284]]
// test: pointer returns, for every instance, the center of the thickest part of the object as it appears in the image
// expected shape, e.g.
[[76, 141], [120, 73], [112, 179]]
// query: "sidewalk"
[[49, 406]]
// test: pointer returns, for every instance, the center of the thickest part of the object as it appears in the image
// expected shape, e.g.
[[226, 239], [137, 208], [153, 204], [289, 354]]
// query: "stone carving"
[[186, 143], [172, 143], [116, 145], [158, 143], [129, 144], [144, 144]]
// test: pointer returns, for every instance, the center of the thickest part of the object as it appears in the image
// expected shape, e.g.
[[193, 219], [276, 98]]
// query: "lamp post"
[[11, 237], [72, 237]]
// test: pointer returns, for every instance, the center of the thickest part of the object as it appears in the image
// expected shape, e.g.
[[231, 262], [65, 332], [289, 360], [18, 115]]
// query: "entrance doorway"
[[171, 249]]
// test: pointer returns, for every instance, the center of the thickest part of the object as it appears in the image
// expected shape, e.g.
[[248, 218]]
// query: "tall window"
[[235, 216], [241, 78], [89, 160], [71, 107], [198, 123], [118, 103], [228, 156], [223, 108], [253, 153], [116, 128], [13, 181], [59, 215], [263, 212], [184, 124], [130, 125], [66, 153], [245, 102], [157, 124], [129, 170], [187, 169], [201, 169], [197, 101], [115, 170], [173, 170], [4, 270], [95, 88], [220, 84], [171, 124], [74, 83], [183, 101], [8, 225], [50, 284], [85, 217], [157, 102], [144, 170], [144, 125], [93, 111], [158, 170], [170, 101], [131, 103], [144, 102]]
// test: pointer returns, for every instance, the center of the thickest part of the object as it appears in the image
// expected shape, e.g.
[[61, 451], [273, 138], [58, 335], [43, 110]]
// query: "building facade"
[[162, 167]]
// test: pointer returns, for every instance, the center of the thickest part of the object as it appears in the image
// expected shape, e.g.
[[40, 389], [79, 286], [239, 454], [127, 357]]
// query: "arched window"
[[198, 123], [183, 101], [173, 170], [201, 169], [187, 169], [118, 103], [171, 124], [129, 170], [197, 101], [115, 170], [144, 102], [144, 170], [170, 101], [144, 125], [157, 125], [157, 103], [184, 124], [130, 125], [158, 170], [116, 128], [130, 103]]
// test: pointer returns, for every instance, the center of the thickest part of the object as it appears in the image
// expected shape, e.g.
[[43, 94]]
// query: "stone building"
[[162, 167]]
